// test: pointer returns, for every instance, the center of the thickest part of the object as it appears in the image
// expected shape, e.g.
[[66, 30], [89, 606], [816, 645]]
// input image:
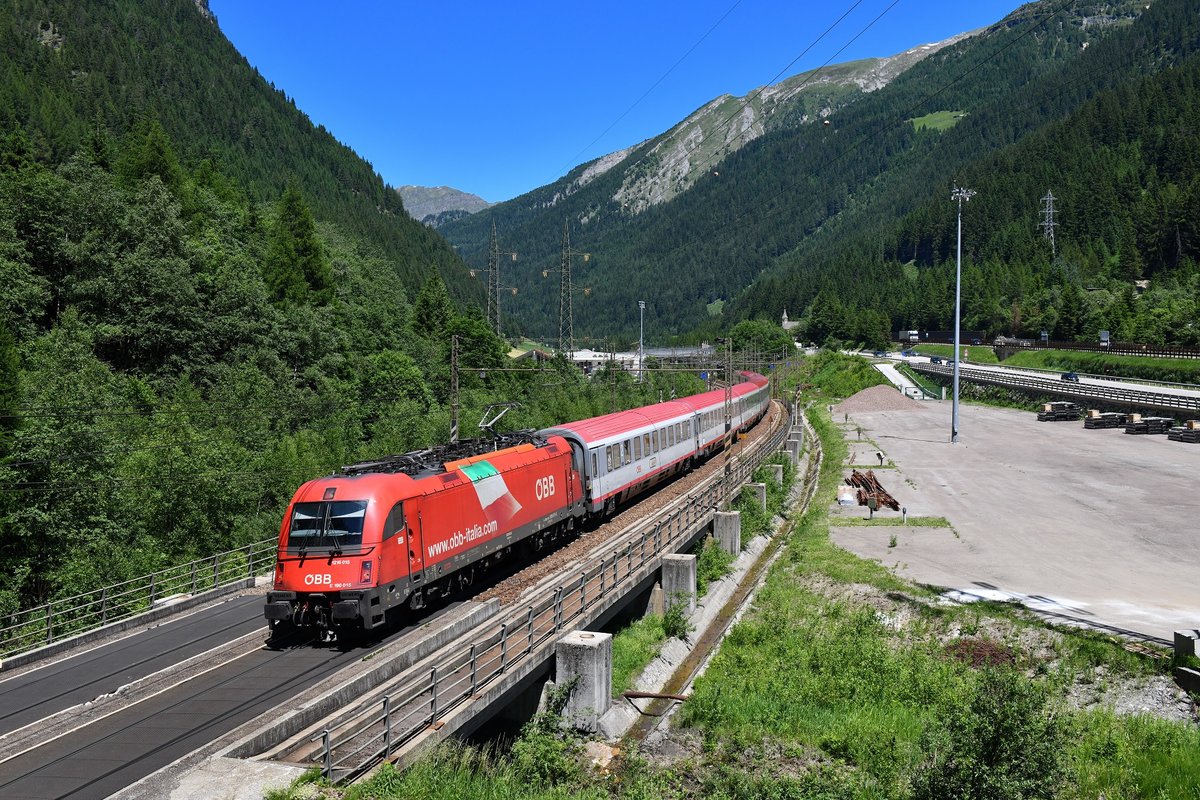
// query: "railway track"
[[447, 691]]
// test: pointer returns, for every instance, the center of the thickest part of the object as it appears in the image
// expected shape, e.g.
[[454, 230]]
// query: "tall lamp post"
[[959, 194], [641, 339]]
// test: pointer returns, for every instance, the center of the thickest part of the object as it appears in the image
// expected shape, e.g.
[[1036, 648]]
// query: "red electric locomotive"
[[405, 528]]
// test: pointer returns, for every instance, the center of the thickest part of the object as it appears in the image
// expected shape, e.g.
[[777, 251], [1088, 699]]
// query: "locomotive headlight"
[[365, 575], [278, 571]]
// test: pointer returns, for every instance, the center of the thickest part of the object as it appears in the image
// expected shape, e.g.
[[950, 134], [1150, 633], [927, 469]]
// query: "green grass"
[[915, 522], [829, 674], [712, 563], [979, 353], [633, 647], [938, 120], [1171, 370], [837, 375], [923, 381]]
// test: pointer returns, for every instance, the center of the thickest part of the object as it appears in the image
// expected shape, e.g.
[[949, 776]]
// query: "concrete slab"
[[1091, 526], [235, 779]]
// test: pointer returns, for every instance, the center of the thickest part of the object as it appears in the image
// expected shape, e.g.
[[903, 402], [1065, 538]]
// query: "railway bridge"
[[136, 715]]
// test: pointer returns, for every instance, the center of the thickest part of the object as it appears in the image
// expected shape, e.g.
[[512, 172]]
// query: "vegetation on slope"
[[75, 74]]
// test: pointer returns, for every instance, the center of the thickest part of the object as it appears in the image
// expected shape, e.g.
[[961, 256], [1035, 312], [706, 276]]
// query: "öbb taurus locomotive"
[[404, 529]]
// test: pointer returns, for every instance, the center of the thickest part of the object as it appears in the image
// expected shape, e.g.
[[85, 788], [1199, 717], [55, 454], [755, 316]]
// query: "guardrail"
[[422, 699], [42, 625], [1192, 387], [1114, 348], [1081, 390]]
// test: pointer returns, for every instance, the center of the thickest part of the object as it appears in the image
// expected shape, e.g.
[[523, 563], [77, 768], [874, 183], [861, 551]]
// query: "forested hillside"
[[1113, 135], [72, 71], [607, 203], [860, 207], [189, 328]]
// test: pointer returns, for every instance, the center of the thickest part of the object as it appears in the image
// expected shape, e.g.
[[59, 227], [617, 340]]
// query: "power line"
[[574, 163], [766, 199]]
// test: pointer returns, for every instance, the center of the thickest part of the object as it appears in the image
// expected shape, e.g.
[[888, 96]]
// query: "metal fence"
[[45, 624], [1113, 394], [423, 697], [1113, 348]]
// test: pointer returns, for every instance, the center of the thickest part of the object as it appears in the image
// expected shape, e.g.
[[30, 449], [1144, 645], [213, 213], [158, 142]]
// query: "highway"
[[1183, 391], [86, 675], [104, 754]]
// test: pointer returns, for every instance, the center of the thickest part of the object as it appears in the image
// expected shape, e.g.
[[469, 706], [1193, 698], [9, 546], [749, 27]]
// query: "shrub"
[[1000, 744], [675, 622]]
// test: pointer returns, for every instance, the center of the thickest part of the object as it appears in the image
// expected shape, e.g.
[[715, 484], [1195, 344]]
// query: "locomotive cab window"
[[394, 522], [332, 524]]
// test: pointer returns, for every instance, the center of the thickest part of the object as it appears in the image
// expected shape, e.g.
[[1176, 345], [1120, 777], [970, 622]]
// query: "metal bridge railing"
[[42, 625], [421, 700], [1079, 390]]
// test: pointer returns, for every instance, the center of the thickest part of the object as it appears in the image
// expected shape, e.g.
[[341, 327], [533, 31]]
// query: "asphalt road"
[[86, 675], [113, 752], [1092, 526]]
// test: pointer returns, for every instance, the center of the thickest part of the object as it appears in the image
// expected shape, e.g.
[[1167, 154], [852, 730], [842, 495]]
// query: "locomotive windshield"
[[334, 524]]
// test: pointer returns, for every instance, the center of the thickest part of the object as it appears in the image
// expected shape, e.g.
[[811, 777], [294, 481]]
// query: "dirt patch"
[[981, 653], [877, 398]]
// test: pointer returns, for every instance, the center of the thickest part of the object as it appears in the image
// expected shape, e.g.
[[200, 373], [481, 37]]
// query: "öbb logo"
[[544, 487], [324, 579]]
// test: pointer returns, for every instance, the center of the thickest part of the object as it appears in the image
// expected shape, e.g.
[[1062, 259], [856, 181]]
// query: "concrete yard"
[[1087, 526]]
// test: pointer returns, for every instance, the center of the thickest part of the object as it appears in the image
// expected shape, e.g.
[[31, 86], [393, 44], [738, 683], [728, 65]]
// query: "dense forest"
[[176, 359], [186, 337], [1122, 165], [71, 69]]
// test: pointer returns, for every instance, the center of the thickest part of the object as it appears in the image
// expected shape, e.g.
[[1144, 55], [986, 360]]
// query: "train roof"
[[621, 423]]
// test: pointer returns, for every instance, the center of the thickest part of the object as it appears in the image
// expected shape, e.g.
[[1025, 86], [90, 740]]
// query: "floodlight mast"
[[960, 195]]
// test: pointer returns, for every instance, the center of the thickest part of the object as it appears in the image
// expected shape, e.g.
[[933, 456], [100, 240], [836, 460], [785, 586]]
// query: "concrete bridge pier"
[[583, 661], [727, 529], [679, 582]]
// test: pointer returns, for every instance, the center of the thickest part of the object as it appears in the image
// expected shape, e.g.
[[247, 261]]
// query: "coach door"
[[416, 548], [579, 467]]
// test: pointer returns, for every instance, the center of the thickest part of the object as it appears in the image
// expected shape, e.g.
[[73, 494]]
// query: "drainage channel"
[[705, 646]]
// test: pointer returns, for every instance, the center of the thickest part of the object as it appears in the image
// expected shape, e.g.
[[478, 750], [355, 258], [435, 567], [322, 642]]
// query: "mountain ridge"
[[437, 205]]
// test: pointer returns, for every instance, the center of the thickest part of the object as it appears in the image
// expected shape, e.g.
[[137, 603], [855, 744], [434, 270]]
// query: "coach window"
[[646, 443], [637, 448], [671, 435], [596, 461], [608, 457], [394, 522], [627, 452]]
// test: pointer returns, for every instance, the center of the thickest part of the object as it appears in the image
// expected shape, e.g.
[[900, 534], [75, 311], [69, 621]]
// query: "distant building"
[[788, 325]]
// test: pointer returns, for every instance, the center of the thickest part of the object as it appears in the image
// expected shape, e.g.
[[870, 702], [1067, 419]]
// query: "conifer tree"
[[433, 310], [296, 268], [148, 151]]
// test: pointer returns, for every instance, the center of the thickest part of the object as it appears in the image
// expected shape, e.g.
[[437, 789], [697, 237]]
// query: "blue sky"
[[497, 98]]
